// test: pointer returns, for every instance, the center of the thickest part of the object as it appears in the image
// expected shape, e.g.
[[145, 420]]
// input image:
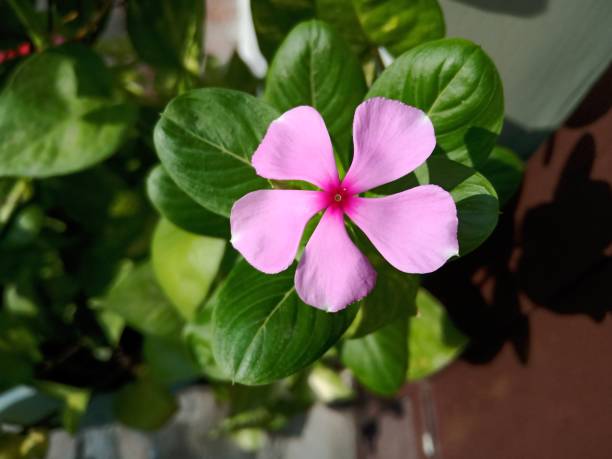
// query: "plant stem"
[[7, 207], [31, 22]]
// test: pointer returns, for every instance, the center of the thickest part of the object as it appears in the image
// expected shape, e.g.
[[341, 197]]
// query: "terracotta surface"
[[536, 382], [540, 312]]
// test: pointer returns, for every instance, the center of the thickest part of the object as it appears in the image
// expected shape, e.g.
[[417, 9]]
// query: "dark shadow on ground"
[[523, 8], [563, 264], [556, 258]]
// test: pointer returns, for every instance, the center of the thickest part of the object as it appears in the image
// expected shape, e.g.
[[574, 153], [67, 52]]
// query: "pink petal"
[[297, 147], [391, 140], [267, 225], [332, 272], [415, 230]]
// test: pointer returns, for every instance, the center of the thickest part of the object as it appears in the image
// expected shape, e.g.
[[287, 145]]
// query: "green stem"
[[31, 21], [7, 207]]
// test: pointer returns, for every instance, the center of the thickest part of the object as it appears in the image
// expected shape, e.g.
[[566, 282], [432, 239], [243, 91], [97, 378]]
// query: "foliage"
[[115, 270]]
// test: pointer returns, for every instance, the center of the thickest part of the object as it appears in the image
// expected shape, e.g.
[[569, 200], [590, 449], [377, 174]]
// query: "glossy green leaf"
[[273, 19], [379, 360], [169, 360], [476, 199], [139, 300], [458, 86], [433, 340], [175, 205], [82, 121], [399, 25], [505, 171], [144, 404], [167, 33], [392, 299], [315, 67], [263, 332], [205, 139], [185, 265]]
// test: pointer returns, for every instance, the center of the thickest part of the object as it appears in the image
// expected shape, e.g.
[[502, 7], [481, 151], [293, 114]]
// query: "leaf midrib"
[[208, 142], [260, 329]]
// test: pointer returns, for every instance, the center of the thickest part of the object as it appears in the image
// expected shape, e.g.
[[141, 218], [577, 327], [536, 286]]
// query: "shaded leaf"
[[167, 33], [169, 360], [273, 19], [82, 122], [139, 300], [392, 299], [144, 404], [175, 205], [379, 360], [505, 171], [399, 25]]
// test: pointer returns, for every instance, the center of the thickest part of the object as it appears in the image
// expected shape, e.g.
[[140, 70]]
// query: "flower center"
[[339, 197]]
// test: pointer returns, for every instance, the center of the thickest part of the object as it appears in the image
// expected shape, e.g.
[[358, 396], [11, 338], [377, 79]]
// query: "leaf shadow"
[[564, 261], [525, 8]]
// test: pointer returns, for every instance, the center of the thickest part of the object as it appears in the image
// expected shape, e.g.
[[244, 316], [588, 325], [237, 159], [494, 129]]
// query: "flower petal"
[[267, 225], [297, 147], [332, 272], [391, 140], [415, 230]]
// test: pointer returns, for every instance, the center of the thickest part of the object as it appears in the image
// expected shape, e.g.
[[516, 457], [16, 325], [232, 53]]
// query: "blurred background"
[[535, 380]]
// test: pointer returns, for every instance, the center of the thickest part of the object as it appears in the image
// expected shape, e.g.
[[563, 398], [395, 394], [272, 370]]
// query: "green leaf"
[[83, 119], [263, 332], [379, 360], [185, 265], [169, 360], [112, 325], [475, 197], [144, 404], [315, 67], [140, 301], [457, 85], [199, 337], [399, 25], [505, 171], [167, 33], [341, 15], [392, 299], [175, 205], [433, 340], [205, 139], [273, 19]]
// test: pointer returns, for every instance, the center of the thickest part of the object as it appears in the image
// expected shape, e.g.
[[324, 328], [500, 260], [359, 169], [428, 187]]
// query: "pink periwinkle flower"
[[415, 230]]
